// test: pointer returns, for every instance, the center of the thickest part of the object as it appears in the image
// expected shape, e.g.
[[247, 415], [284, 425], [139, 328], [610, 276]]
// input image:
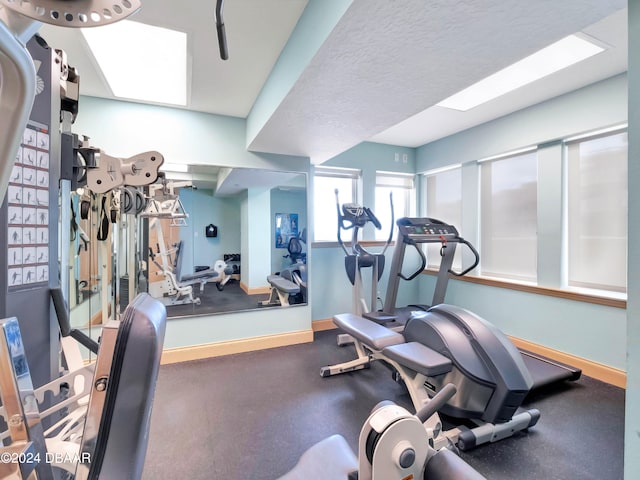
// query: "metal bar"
[[443, 273]]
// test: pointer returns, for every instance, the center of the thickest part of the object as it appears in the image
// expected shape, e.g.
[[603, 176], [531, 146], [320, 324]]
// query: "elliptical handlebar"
[[372, 218], [354, 216], [341, 224]]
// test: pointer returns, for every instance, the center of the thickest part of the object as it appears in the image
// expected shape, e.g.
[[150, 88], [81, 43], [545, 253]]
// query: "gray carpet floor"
[[231, 299], [251, 416]]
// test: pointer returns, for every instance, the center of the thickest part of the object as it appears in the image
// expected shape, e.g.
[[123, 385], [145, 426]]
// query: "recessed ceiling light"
[[562, 54], [141, 62]]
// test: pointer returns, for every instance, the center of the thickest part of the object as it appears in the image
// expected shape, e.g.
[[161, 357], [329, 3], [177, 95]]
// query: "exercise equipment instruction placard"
[[28, 210]]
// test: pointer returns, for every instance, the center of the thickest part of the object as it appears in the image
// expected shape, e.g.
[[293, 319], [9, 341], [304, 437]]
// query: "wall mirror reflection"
[[226, 239], [104, 254], [203, 240]]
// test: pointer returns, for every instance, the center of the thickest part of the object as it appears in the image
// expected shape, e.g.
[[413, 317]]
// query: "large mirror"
[[209, 240]]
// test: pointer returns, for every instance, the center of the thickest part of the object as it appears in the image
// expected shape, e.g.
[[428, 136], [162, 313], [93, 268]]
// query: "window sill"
[[550, 292], [364, 243]]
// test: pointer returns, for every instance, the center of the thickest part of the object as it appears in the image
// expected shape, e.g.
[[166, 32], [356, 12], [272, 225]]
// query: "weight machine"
[[106, 431], [175, 288]]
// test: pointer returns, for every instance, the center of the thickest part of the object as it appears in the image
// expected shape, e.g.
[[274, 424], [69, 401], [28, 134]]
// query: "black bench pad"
[[419, 358], [283, 284], [207, 274], [370, 333]]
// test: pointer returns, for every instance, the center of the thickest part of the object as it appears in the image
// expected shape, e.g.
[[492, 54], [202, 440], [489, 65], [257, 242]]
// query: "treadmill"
[[418, 231]]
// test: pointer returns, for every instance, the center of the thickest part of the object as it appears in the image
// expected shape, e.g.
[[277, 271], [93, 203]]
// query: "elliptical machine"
[[352, 216]]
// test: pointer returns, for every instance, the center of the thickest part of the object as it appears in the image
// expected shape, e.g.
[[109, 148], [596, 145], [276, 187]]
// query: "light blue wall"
[[330, 290], [125, 129], [315, 24], [590, 331], [595, 332], [632, 414], [203, 208]]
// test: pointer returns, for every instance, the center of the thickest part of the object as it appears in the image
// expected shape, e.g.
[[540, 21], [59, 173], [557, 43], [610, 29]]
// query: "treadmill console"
[[425, 230]]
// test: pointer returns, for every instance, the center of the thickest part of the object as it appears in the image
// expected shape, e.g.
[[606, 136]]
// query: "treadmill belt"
[[546, 372]]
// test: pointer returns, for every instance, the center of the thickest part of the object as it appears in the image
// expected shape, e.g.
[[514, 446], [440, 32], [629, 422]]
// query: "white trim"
[[435, 171], [594, 133], [337, 172], [511, 153]]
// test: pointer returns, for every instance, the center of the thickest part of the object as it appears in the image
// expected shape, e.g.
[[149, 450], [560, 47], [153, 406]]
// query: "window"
[[325, 182], [508, 209], [444, 202], [401, 185], [597, 212]]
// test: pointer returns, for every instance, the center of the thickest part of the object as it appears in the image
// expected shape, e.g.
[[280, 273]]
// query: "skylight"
[[141, 62], [562, 54]]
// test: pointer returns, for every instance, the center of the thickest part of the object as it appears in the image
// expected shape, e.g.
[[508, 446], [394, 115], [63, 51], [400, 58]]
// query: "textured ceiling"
[[387, 61], [436, 122], [380, 71]]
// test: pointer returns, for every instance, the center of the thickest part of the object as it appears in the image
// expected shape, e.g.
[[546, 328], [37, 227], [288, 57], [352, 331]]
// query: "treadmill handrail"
[[423, 264], [423, 259], [475, 263]]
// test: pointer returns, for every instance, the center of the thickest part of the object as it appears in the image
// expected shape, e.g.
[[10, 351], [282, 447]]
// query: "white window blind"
[[508, 196], [597, 212], [444, 202]]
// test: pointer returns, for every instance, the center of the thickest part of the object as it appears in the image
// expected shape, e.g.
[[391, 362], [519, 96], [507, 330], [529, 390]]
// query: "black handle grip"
[[222, 35], [61, 311], [222, 42], [60, 307], [373, 218]]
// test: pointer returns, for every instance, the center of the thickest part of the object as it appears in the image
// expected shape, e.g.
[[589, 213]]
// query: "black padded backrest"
[[295, 247], [121, 443]]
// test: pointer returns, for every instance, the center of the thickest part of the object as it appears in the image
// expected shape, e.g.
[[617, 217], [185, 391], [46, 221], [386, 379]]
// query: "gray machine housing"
[[488, 370]]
